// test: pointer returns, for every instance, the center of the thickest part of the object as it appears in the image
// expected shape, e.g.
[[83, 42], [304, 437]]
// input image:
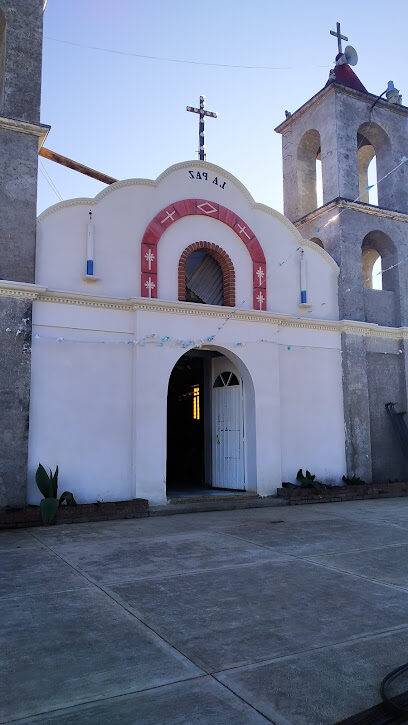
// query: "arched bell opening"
[[372, 268], [319, 179], [317, 241], [209, 446], [373, 157], [309, 172], [378, 258]]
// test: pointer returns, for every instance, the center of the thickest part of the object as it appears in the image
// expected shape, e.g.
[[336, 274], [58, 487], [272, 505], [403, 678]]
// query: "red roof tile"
[[346, 76]]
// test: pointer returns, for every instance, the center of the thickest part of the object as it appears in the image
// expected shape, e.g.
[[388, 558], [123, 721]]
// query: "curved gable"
[[130, 218]]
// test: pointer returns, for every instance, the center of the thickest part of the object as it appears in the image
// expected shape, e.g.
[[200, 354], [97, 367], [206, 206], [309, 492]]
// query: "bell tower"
[[342, 134], [20, 135]]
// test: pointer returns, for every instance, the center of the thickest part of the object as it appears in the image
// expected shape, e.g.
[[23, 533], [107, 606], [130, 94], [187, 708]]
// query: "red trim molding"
[[190, 207], [227, 269]]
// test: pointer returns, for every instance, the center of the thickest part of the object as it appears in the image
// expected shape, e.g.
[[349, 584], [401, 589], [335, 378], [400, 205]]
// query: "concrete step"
[[216, 503], [208, 495]]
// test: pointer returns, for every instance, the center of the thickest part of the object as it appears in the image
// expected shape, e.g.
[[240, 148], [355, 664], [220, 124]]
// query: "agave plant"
[[353, 481], [48, 485], [308, 480]]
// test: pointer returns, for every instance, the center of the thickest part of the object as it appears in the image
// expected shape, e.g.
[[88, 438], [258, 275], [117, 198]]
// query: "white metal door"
[[227, 432]]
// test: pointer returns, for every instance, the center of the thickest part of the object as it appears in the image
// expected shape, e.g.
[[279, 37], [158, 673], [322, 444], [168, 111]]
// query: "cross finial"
[[339, 37], [203, 113]]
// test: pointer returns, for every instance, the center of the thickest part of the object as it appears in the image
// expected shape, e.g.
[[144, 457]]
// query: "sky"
[[125, 115]]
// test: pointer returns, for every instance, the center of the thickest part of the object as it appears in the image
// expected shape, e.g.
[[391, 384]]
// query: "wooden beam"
[[75, 165]]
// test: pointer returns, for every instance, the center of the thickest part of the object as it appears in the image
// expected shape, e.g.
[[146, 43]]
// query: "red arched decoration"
[[227, 268], [189, 207]]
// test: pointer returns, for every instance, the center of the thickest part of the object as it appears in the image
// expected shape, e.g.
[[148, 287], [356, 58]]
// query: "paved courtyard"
[[283, 615]]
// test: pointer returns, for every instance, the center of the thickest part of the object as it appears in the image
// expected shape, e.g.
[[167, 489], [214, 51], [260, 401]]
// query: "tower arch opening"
[[317, 241], [372, 268], [373, 148], [319, 179], [309, 172], [378, 254]]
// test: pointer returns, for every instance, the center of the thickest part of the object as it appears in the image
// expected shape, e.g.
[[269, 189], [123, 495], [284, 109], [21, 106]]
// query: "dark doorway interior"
[[185, 424]]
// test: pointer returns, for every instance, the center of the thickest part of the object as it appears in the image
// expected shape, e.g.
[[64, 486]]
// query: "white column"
[[90, 247], [151, 372], [265, 377], [303, 280]]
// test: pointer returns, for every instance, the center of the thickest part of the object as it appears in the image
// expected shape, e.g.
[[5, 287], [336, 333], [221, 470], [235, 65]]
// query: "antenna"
[[349, 56]]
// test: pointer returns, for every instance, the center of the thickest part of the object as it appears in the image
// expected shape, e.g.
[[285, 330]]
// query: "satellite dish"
[[349, 56]]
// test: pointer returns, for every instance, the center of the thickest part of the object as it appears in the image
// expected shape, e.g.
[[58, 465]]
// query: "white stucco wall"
[[99, 378], [99, 404], [312, 426], [80, 409]]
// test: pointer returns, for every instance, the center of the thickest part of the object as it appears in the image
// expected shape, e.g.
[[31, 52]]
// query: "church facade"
[[139, 386], [173, 333]]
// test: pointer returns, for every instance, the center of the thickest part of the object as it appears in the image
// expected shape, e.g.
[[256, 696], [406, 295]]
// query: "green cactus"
[[48, 486]]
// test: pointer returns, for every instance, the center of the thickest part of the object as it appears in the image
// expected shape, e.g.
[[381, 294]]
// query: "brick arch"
[[227, 269], [190, 207]]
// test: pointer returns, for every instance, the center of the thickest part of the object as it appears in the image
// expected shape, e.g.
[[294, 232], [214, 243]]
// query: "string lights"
[[161, 341]]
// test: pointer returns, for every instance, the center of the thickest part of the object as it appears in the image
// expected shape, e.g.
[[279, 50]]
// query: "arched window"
[[373, 156], [206, 275], [308, 164], [378, 255], [225, 380], [203, 279]]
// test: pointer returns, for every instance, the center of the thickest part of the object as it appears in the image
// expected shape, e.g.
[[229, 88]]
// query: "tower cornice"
[[33, 129], [353, 206], [368, 98]]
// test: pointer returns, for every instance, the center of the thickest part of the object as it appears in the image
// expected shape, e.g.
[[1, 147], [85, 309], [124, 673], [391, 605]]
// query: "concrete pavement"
[[290, 615]]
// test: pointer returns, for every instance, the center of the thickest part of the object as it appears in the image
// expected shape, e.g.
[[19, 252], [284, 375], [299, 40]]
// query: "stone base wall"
[[343, 493], [15, 359], [82, 513]]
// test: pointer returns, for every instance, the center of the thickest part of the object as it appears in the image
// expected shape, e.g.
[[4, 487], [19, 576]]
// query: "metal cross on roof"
[[203, 113], [339, 37]]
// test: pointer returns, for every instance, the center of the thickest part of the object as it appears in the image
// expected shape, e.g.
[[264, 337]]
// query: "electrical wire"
[[50, 181], [171, 60]]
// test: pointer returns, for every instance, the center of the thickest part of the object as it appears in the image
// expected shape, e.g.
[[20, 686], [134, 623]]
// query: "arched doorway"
[[205, 424]]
